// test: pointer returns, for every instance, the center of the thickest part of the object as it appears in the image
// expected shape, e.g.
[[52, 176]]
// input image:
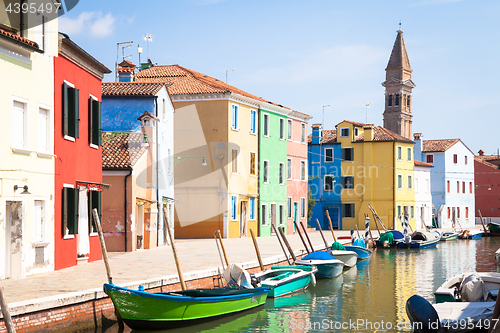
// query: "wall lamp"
[[145, 142], [478, 186], [179, 159], [25, 187]]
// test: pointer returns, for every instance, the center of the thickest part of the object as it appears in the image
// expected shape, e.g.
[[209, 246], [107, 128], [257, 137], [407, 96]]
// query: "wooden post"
[[287, 245], [331, 226], [6, 313], [486, 231], [281, 244], [301, 238], [174, 251], [223, 249], [307, 236], [95, 213], [494, 326], [321, 233], [257, 249]]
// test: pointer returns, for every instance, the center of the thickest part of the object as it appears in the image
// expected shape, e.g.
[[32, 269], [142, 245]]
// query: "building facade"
[[423, 196], [487, 187]]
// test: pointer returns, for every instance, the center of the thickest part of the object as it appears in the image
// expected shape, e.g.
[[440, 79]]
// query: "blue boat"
[[327, 265], [360, 248], [284, 280], [385, 240], [421, 240], [467, 234]]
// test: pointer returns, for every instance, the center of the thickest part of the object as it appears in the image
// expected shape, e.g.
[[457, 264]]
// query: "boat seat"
[[281, 276]]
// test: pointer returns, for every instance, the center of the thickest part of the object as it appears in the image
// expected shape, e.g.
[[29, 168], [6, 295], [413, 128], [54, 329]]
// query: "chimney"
[[481, 152], [369, 132], [126, 71], [417, 149], [317, 133]]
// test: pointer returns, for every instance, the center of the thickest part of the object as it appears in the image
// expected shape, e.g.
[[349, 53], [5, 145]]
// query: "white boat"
[[457, 317], [349, 258], [421, 239], [328, 266], [497, 256], [472, 287]]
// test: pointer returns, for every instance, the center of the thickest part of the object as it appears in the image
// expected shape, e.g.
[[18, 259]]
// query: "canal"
[[370, 297]]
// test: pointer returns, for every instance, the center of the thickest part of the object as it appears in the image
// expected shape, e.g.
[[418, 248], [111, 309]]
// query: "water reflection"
[[369, 297]]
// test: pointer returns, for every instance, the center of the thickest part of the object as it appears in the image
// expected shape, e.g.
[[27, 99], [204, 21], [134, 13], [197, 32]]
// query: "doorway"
[[243, 219], [13, 239], [140, 226]]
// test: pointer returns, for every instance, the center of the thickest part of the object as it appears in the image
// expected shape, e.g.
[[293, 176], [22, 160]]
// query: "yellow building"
[[377, 169]]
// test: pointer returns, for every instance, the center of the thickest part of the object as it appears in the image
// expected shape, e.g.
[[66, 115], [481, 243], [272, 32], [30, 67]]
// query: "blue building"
[[324, 172]]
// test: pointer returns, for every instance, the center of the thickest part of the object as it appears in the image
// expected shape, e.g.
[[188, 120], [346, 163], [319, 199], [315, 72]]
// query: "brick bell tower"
[[398, 90]]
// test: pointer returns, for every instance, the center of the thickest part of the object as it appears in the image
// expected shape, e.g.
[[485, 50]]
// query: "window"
[[430, 158], [427, 186], [289, 207], [303, 133], [347, 154], [289, 168], [252, 163], [398, 212], [264, 214], [43, 130], [448, 186], [347, 182], [408, 154], [281, 173], [463, 187], [356, 131], [266, 172], [389, 100], [266, 125], [71, 111], [94, 202], [466, 212], [234, 121], [41, 31], [302, 170], [344, 132], [234, 207], [282, 129], [70, 211], [19, 125], [400, 153], [328, 154], [289, 133], [470, 187], [408, 99], [465, 160], [253, 121], [281, 214], [39, 220], [302, 207], [400, 181], [449, 212], [348, 210], [252, 208], [329, 180], [458, 187], [410, 182], [164, 108], [412, 212], [396, 102], [458, 212], [234, 161], [455, 158], [94, 121]]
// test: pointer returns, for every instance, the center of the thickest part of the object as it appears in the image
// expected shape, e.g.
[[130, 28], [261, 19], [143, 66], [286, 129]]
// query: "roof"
[[121, 150], [355, 123], [381, 134], [20, 40], [399, 56], [63, 38], [489, 160], [184, 81], [130, 88], [329, 136], [419, 163], [126, 63], [442, 145], [125, 70]]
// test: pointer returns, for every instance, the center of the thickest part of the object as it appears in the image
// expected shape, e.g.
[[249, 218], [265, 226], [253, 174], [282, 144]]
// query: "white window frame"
[[412, 212], [91, 144], [302, 207], [399, 212], [67, 137], [253, 119], [409, 154], [235, 207], [25, 126], [265, 171], [356, 131], [289, 168], [399, 153], [324, 182], [400, 176], [303, 133], [42, 225], [264, 117], [234, 162], [264, 214], [254, 164], [352, 154], [282, 128], [345, 176], [341, 130], [235, 117], [70, 236], [281, 214], [281, 173], [348, 217], [290, 130], [333, 158], [289, 202], [410, 182], [48, 130], [303, 170]]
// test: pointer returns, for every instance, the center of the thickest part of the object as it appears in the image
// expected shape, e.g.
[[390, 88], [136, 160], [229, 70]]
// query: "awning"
[[144, 202], [93, 186]]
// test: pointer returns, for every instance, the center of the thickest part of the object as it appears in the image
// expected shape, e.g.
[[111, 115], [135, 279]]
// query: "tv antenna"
[[117, 53], [148, 38]]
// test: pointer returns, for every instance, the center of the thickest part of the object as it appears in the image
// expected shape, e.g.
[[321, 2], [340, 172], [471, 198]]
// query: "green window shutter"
[[75, 210], [342, 182], [77, 113], [94, 202], [97, 126], [342, 154], [91, 123], [65, 109], [65, 202]]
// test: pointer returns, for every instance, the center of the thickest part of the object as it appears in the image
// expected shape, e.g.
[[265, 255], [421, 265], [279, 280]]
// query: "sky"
[[308, 54]]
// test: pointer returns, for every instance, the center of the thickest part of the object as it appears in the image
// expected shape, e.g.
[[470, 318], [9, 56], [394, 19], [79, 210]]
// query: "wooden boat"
[[284, 280], [421, 240], [360, 248], [327, 266], [387, 241], [448, 236], [448, 317], [144, 310], [349, 258], [497, 256], [494, 229], [484, 285], [467, 234]]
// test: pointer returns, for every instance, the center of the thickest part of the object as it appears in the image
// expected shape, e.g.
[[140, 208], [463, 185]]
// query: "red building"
[[487, 180], [77, 146]]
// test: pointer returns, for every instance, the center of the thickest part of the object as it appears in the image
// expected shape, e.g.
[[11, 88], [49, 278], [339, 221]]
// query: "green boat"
[[448, 236], [144, 310], [284, 280], [494, 229]]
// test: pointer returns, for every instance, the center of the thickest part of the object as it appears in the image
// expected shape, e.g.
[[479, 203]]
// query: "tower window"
[[389, 100], [408, 100], [397, 100]]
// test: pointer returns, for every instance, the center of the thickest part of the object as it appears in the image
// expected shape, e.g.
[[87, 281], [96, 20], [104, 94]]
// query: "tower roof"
[[399, 57]]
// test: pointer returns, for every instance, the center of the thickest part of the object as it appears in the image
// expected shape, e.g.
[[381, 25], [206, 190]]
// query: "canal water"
[[369, 297]]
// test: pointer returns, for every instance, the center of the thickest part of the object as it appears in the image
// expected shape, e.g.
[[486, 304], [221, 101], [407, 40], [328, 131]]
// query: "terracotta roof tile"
[[419, 163], [443, 145], [121, 150], [355, 123], [18, 38], [383, 134], [130, 88], [126, 63], [125, 69], [489, 160], [329, 136]]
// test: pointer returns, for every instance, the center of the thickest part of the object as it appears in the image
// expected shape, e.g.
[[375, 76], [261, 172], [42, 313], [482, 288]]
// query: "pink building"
[[297, 174]]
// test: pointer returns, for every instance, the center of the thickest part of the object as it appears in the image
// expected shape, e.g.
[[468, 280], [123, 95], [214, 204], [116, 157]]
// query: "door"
[[422, 216], [453, 217], [273, 215], [243, 219], [334, 213], [140, 226], [14, 239], [295, 211]]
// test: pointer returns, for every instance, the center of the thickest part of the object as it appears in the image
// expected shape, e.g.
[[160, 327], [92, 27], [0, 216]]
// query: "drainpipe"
[[21, 20], [126, 215], [394, 180], [160, 209]]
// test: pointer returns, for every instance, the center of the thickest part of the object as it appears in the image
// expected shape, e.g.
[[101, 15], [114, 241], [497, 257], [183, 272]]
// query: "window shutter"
[[91, 123], [343, 182], [65, 109], [77, 113], [99, 125], [65, 210], [342, 154], [75, 210]]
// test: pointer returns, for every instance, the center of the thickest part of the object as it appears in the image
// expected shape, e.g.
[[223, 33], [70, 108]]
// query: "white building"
[[423, 196]]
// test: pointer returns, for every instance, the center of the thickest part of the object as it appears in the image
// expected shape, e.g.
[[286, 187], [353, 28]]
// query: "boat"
[[360, 248], [467, 234], [472, 287], [327, 265], [144, 310], [390, 238], [494, 229], [497, 256], [449, 235], [284, 280], [448, 317], [349, 258], [421, 240]]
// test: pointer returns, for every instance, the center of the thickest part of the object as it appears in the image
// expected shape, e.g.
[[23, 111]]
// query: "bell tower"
[[398, 90]]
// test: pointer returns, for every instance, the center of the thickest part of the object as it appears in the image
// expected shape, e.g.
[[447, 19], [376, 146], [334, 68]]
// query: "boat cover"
[[236, 275], [318, 255], [474, 289], [338, 246], [457, 314], [387, 236], [359, 242]]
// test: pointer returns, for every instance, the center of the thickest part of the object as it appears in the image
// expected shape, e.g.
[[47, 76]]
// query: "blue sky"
[[306, 54]]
